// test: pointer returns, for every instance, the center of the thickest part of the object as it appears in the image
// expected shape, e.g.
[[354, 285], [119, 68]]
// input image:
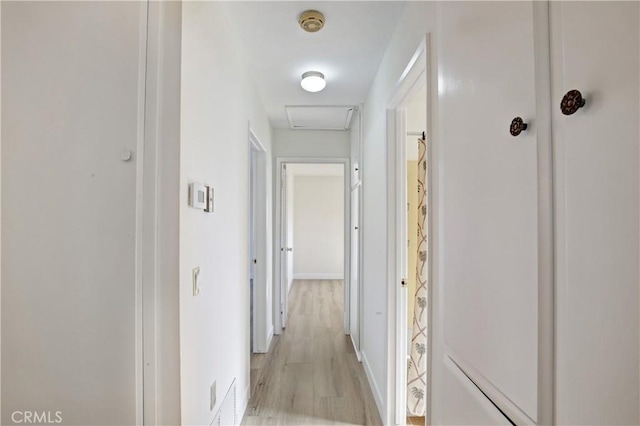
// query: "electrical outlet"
[[213, 396]]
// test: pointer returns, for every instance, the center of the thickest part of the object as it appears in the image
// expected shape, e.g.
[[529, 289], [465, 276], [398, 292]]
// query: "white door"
[[252, 247], [284, 257], [354, 282], [595, 50], [289, 221], [70, 107], [489, 194]]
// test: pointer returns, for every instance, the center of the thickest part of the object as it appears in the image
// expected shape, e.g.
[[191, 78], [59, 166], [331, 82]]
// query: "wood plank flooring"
[[311, 375]]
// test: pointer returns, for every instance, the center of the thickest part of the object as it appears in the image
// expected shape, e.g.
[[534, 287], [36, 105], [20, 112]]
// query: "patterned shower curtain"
[[417, 374]]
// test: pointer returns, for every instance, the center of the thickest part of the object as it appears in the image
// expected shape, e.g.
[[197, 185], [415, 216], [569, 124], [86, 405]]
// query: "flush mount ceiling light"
[[311, 21], [313, 81]]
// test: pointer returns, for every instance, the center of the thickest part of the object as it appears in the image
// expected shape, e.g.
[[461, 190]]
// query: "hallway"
[[311, 374]]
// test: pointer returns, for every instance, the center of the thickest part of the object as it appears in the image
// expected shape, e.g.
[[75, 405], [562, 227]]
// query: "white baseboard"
[[318, 276], [269, 338], [375, 389], [355, 349]]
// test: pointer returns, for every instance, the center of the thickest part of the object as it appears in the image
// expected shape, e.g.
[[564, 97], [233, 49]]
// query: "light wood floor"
[[311, 375]]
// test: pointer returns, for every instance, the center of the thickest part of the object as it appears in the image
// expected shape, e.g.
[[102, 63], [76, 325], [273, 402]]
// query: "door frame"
[[262, 323], [157, 221], [146, 238], [355, 262], [416, 75], [278, 244]]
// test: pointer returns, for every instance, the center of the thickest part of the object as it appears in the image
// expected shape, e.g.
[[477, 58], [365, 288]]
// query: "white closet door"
[[71, 96], [490, 181], [595, 50]]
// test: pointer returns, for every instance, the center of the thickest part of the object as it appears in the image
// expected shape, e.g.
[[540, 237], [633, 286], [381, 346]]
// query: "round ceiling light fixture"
[[313, 81], [311, 21]]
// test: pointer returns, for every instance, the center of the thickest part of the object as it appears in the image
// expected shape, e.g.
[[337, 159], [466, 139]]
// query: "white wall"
[[218, 101], [416, 20], [310, 143], [71, 105], [318, 222]]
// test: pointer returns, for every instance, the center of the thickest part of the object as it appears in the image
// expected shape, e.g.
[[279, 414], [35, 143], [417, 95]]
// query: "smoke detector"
[[311, 21]]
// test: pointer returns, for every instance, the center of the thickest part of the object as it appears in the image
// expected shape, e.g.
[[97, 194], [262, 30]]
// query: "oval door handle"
[[517, 126], [571, 102]]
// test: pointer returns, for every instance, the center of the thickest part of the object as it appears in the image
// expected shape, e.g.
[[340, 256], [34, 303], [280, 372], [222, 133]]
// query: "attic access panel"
[[308, 117]]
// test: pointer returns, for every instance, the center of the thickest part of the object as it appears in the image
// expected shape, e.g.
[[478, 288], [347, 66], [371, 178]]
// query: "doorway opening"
[[415, 139], [315, 224], [409, 243], [313, 240]]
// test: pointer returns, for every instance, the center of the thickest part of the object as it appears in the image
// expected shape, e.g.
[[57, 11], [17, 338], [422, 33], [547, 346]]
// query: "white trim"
[[269, 337], [145, 213], [160, 220], [282, 219], [149, 232], [277, 245], [262, 327], [347, 121], [256, 145], [361, 228], [375, 389], [546, 290], [355, 349], [320, 276], [355, 233], [414, 77], [0, 211]]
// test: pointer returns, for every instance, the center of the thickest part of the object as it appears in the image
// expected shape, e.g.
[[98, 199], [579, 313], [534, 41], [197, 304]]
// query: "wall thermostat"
[[198, 196]]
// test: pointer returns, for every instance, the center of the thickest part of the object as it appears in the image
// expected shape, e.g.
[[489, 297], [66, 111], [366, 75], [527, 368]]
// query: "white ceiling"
[[315, 169], [348, 50]]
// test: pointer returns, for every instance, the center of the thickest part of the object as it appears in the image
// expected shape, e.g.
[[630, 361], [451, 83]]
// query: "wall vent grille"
[[227, 414]]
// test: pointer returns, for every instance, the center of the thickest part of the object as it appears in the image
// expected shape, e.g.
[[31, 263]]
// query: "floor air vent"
[[227, 413]]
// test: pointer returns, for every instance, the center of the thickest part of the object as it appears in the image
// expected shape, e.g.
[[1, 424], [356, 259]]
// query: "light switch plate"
[[196, 281]]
